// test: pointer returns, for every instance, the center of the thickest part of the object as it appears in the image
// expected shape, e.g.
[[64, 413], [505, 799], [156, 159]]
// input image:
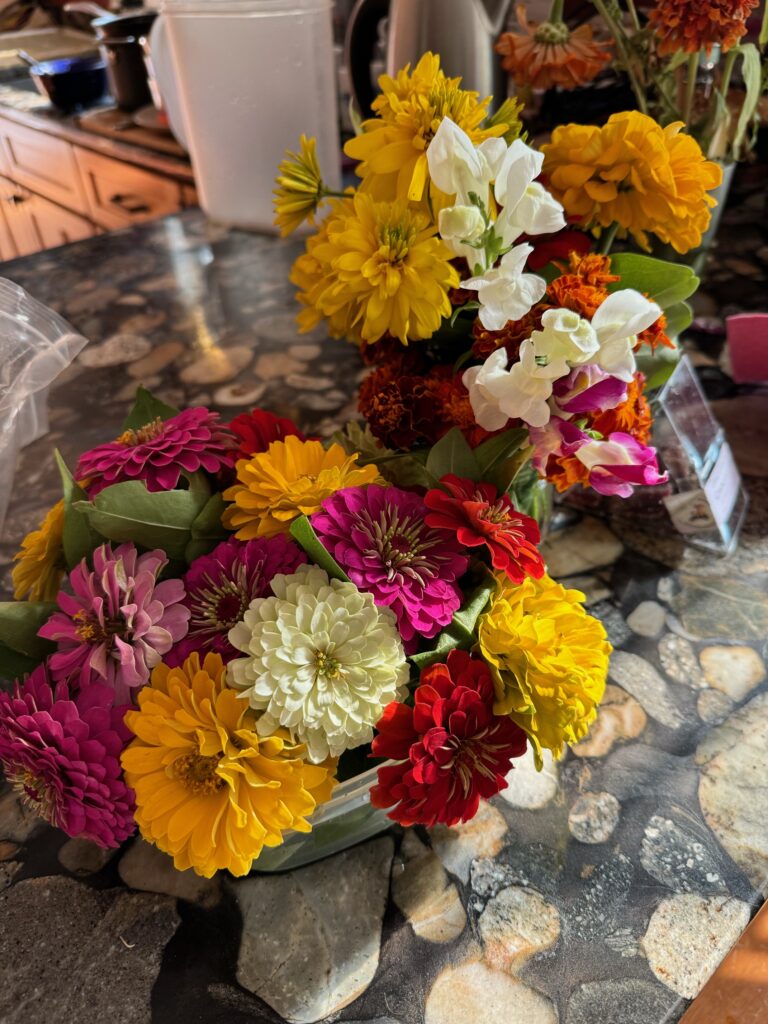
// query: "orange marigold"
[[593, 268], [549, 54], [691, 25]]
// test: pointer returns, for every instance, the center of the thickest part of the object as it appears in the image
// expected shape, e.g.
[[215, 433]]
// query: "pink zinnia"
[[118, 622], [62, 752], [159, 451], [220, 587], [379, 537]]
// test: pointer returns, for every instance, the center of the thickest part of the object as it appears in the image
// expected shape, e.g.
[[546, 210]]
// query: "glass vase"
[[348, 818]]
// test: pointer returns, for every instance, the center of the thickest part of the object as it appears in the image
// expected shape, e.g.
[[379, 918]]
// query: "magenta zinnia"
[[220, 587], [62, 753], [159, 451], [378, 535], [453, 751], [118, 622]]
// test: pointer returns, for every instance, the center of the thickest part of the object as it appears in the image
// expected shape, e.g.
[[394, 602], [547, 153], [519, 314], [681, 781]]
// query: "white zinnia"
[[321, 660], [506, 293]]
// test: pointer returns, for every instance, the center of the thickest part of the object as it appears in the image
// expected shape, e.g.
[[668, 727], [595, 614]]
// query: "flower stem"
[[608, 238], [556, 11], [690, 87], [621, 45], [633, 15]]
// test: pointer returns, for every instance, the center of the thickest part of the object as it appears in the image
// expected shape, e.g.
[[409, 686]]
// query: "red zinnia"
[[257, 429], [478, 515], [453, 751]]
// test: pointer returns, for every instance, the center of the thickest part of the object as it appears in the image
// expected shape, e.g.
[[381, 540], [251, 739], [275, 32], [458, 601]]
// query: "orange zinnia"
[[693, 25], [549, 54]]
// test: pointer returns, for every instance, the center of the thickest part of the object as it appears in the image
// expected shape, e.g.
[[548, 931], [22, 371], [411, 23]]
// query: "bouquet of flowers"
[[214, 615], [474, 273]]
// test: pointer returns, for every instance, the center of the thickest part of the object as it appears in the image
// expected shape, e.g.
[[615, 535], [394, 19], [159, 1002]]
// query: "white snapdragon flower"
[[321, 659], [617, 322], [460, 224], [565, 340], [527, 207], [498, 394], [506, 292], [457, 166]]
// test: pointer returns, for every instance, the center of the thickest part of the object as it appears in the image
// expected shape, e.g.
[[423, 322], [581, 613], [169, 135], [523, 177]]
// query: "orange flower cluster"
[[688, 26], [632, 416], [406, 408], [550, 54]]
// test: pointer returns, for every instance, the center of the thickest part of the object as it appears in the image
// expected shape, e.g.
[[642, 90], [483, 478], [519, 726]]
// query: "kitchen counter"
[[604, 890], [21, 103]]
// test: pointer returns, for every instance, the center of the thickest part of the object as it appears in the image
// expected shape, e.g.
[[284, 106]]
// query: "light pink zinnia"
[[379, 537], [159, 451], [118, 622], [62, 753]]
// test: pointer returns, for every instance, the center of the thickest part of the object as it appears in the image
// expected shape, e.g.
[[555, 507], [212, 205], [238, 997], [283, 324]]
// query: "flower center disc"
[[198, 773]]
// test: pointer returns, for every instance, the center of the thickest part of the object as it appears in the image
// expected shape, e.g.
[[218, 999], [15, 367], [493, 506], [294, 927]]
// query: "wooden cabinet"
[[121, 194], [44, 164], [54, 191], [31, 223]]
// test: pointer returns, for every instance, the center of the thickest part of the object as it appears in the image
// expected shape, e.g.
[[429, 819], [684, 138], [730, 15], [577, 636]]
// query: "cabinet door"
[[15, 202], [53, 225], [120, 194], [8, 250], [44, 164]]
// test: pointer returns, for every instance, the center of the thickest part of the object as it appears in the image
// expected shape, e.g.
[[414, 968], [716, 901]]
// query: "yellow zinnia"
[[548, 658], [209, 791], [376, 269], [633, 172], [290, 478], [299, 187], [40, 562], [393, 145]]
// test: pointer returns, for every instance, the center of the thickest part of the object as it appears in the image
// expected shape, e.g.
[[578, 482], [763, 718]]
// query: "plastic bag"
[[36, 344]]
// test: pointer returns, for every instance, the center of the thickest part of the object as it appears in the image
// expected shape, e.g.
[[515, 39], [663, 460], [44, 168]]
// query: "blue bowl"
[[71, 82]]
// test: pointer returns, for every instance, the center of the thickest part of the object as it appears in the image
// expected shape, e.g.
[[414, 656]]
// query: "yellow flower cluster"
[[209, 790], [299, 187], [290, 479], [634, 173], [375, 268], [40, 564], [548, 658], [393, 145]]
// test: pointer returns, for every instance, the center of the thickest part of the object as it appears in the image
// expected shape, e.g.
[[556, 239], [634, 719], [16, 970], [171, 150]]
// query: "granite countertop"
[[604, 890]]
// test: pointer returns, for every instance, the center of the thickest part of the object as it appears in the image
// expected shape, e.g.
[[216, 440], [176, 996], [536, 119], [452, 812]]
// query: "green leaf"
[[302, 532], [493, 455], [678, 318], [666, 283], [763, 37], [129, 512], [468, 307], [14, 665], [357, 439], [530, 494], [19, 625], [406, 470], [147, 408], [207, 530], [461, 632], [751, 72], [80, 539], [452, 454], [657, 366]]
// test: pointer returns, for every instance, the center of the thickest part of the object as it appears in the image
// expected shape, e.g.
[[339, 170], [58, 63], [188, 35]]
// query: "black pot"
[[71, 82], [127, 72], [123, 26]]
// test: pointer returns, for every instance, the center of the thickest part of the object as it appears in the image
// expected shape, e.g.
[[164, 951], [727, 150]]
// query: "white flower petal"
[[520, 166]]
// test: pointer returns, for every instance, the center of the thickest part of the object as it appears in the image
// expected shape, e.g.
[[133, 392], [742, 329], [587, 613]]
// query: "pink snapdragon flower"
[[587, 389], [379, 537], [159, 451], [118, 622], [61, 751]]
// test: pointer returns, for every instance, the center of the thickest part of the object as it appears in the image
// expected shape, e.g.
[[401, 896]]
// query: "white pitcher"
[[241, 80]]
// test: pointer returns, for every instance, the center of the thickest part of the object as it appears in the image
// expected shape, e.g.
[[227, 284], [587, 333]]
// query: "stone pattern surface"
[[567, 900]]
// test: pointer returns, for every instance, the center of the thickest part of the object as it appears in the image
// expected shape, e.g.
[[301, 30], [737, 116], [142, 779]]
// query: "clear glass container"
[[347, 819]]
